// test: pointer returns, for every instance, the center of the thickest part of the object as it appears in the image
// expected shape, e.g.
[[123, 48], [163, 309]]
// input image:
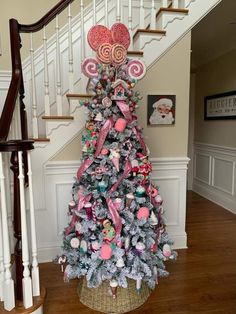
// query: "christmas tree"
[[116, 230]]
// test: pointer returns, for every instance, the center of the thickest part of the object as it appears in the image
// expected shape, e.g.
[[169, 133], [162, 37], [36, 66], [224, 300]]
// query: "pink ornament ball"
[[104, 151], [143, 212], [106, 251], [120, 125]]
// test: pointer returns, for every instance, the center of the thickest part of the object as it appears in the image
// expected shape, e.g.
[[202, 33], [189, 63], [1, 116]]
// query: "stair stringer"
[[61, 134]]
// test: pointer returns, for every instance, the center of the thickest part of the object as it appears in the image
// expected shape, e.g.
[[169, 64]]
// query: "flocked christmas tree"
[[116, 228]]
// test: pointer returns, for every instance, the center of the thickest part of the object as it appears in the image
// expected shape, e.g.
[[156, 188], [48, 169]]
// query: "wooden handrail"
[[9, 106], [58, 8]]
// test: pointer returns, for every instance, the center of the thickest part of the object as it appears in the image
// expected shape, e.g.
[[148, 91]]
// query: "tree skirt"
[[100, 299]]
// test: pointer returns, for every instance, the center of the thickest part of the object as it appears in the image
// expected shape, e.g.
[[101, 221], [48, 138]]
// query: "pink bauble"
[[120, 125], [143, 212], [104, 151], [106, 251]]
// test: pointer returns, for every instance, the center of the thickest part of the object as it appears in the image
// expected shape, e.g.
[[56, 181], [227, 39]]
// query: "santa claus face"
[[163, 110]]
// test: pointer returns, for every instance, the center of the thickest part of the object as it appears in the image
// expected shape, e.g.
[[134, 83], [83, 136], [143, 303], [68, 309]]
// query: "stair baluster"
[[94, 13], [58, 70], [1, 262], [106, 13], [70, 53], [153, 16], [8, 284], [164, 3], [26, 281], [130, 24], [141, 15], [33, 90], [46, 75], [118, 11]]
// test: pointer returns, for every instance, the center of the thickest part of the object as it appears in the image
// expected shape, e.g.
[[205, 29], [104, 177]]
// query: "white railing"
[[62, 54]]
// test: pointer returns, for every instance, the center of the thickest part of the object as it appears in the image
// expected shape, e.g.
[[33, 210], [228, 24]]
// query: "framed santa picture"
[[161, 109]]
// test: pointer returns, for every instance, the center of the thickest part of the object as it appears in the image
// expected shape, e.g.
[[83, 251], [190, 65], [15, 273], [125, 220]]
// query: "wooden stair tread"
[[19, 309], [138, 53], [149, 31], [174, 10], [57, 118], [40, 139], [78, 95]]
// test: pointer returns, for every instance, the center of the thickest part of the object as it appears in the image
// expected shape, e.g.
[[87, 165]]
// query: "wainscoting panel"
[[168, 173], [214, 174]]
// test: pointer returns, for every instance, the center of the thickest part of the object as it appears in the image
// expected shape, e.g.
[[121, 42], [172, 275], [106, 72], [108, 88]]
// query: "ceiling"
[[215, 35]]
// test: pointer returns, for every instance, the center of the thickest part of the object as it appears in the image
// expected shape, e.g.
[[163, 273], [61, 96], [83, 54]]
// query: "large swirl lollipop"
[[90, 67], [118, 54], [136, 69], [104, 53]]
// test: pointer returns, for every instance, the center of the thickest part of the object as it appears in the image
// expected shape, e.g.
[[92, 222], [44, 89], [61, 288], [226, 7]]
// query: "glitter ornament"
[[74, 242], [106, 251], [143, 212]]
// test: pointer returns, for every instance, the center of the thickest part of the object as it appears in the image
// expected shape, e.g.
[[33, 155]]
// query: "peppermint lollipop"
[[120, 34], [136, 69], [98, 35], [104, 53], [90, 67], [118, 54]]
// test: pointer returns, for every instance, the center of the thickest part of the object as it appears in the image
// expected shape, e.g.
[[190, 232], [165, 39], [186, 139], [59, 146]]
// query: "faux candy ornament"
[[95, 245], [99, 117], [104, 53], [120, 262], [104, 151], [83, 246], [166, 250], [120, 34], [143, 212], [115, 158], [74, 243], [106, 251], [120, 125], [118, 54], [107, 102], [153, 219], [89, 67], [136, 69], [140, 247], [113, 285], [98, 35]]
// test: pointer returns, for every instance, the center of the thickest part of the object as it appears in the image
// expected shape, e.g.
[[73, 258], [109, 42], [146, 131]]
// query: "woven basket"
[[100, 299]]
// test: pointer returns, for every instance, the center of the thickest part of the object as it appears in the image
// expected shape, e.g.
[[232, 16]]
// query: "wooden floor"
[[202, 280]]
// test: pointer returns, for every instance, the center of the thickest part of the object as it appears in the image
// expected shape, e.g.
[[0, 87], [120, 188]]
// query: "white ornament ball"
[[140, 246], [95, 245], [74, 242], [78, 227], [166, 250], [120, 262]]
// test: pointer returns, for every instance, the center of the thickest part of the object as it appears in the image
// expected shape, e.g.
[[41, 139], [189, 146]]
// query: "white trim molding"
[[168, 173], [214, 174]]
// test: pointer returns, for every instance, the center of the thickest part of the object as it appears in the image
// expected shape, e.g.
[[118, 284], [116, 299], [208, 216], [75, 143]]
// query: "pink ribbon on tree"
[[114, 216], [124, 108], [83, 200], [140, 139], [71, 225], [124, 175], [101, 139]]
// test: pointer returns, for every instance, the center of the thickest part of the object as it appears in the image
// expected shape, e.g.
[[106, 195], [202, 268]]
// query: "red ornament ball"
[[106, 251], [143, 212]]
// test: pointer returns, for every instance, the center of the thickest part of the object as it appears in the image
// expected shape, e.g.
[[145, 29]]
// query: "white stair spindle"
[[118, 11], [46, 75], [175, 4], [58, 70], [26, 281], [35, 268], [33, 90], [130, 24], [8, 285], [94, 13], [141, 15], [1, 262], [153, 16], [70, 52], [106, 12], [164, 3], [82, 30]]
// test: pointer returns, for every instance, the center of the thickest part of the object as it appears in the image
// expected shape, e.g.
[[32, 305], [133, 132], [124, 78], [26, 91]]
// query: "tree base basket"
[[100, 299]]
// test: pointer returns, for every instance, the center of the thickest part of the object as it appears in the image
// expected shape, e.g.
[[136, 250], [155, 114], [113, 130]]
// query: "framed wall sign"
[[220, 106], [161, 109]]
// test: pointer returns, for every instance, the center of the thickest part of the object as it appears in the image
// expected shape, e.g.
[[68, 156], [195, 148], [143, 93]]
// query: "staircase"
[[54, 84]]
